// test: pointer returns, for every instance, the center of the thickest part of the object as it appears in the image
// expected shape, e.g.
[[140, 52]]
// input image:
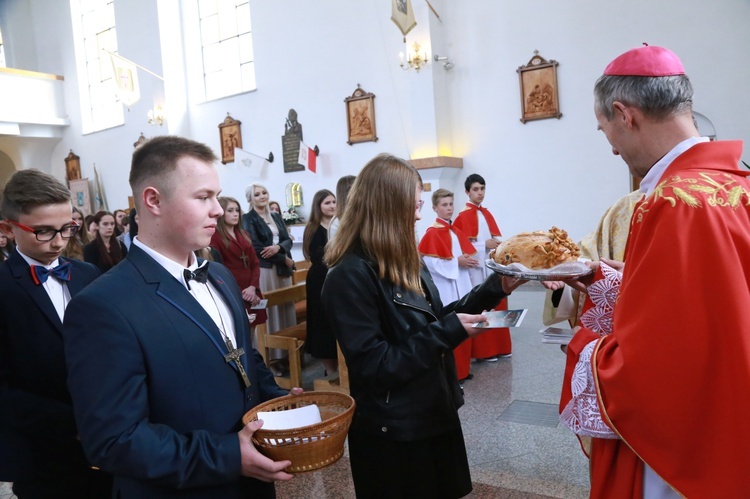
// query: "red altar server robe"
[[242, 261], [673, 377], [478, 224], [437, 243]]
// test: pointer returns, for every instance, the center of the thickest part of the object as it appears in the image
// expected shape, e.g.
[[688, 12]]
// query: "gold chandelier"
[[414, 59]]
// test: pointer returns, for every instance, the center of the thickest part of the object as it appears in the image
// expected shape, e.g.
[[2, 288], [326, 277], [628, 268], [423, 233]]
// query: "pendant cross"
[[234, 355], [243, 257]]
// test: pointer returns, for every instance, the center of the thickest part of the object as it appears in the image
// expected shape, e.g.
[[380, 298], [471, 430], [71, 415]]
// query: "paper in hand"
[[502, 318], [260, 306]]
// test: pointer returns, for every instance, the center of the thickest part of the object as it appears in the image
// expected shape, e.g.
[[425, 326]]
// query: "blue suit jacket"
[[37, 428], [156, 402]]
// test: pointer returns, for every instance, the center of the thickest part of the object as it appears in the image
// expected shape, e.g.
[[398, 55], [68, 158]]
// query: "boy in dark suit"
[[39, 448], [161, 369]]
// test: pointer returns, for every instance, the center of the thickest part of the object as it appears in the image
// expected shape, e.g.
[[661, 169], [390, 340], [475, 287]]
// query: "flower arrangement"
[[291, 217]]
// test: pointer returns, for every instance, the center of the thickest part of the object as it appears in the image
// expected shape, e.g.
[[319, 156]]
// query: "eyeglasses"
[[47, 234], [419, 205]]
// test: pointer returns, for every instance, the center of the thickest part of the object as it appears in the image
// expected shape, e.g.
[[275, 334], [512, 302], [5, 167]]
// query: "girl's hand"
[[269, 251]]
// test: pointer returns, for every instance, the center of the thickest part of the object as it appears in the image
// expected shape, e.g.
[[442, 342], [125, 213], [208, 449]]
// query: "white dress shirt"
[[452, 281], [57, 290], [205, 293]]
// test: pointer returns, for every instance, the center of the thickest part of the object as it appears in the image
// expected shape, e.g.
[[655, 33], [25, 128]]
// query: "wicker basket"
[[308, 447]]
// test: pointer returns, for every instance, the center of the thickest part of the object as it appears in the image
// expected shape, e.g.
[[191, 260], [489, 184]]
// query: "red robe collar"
[[470, 224], [437, 241]]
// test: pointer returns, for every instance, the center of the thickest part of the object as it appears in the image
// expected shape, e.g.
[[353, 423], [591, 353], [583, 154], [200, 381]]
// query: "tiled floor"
[[516, 449], [534, 413]]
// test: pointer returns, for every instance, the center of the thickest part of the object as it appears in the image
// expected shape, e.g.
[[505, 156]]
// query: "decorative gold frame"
[[72, 167], [360, 117], [230, 136], [140, 140], [80, 194], [539, 94]]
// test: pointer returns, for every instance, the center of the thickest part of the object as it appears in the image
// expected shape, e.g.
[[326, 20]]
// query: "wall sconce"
[[447, 63], [156, 116], [414, 59]]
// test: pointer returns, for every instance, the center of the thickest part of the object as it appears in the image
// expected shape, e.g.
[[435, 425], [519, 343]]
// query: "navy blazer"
[[157, 404], [37, 427]]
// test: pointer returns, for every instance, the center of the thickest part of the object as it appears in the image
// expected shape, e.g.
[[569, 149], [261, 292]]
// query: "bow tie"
[[40, 274], [200, 274]]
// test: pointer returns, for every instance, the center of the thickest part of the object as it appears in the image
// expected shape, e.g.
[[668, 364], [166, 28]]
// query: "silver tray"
[[569, 270]]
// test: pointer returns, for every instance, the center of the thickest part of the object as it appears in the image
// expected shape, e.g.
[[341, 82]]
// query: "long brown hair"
[[114, 255], [10, 245], [343, 186], [74, 248], [379, 218], [316, 215], [223, 229]]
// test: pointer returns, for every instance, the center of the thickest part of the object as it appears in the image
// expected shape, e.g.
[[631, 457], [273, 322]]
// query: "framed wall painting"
[[81, 195], [230, 136], [360, 117], [72, 167], [539, 95]]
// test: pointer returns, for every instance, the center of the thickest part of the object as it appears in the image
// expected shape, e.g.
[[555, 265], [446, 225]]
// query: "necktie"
[[40, 274], [200, 274]]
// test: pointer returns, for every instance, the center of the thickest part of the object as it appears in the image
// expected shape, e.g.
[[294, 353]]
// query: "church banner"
[[126, 79], [402, 15]]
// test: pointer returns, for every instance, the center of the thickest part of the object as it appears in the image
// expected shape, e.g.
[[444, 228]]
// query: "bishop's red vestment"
[[673, 377]]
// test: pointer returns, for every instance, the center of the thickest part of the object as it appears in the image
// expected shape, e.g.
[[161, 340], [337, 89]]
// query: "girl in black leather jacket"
[[398, 340]]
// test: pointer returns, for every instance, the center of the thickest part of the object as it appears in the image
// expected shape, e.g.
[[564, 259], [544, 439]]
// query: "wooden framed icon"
[[230, 136], [360, 117], [80, 193], [72, 167], [539, 96]]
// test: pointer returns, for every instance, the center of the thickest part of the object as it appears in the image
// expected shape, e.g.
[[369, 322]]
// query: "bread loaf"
[[537, 250]]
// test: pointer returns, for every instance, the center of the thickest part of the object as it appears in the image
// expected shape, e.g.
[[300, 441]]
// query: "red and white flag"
[[307, 157]]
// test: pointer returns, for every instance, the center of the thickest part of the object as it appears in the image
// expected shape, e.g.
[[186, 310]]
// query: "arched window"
[[2, 52], [226, 47], [94, 35]]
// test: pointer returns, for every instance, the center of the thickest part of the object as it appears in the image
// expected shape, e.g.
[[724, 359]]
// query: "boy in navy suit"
[[161, 369], [39, 448]]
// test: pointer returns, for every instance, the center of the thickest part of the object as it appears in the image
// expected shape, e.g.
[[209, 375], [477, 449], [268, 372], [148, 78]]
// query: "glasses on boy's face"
[[48, 234]]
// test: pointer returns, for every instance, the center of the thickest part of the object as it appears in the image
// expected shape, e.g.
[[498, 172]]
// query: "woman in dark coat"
[[405, 439], [321, 342], [273, 247]]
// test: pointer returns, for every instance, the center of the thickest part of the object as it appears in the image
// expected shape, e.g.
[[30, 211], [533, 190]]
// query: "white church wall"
[[311, 55]]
